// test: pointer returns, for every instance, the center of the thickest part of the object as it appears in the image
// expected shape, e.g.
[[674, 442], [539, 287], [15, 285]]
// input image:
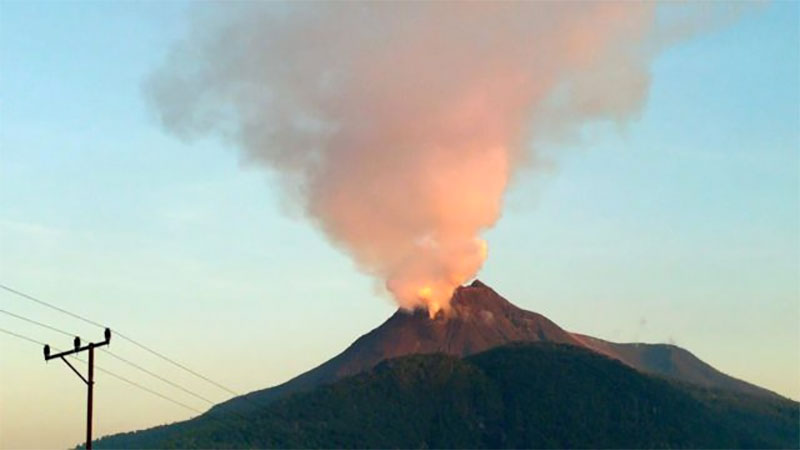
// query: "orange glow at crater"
[[424, 292]]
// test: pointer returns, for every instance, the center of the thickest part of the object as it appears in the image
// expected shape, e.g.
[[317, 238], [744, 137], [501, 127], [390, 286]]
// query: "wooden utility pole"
[[89, 381]]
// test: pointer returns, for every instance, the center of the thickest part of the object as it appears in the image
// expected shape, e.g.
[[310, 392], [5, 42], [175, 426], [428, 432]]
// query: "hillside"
[[522, 396], [480, 319], [673, 362]]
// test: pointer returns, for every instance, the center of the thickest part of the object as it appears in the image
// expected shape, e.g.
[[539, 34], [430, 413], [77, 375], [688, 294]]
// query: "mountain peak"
[[478, 284], [469, 300], [478, 319]]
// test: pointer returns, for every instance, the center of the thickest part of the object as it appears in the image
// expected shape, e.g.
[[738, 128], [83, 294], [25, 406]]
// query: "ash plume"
[[396, 127]]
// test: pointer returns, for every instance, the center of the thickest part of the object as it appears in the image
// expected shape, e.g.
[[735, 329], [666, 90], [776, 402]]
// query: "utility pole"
[[90, 381]]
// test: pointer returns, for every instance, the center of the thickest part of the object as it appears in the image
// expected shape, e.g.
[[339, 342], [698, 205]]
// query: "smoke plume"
[[396, 126]]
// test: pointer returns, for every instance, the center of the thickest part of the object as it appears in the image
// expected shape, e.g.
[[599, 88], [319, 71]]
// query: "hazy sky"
[[680, 227]]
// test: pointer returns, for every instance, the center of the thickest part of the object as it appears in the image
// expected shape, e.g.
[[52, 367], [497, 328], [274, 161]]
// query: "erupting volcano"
[[478, 319], [410, 381]]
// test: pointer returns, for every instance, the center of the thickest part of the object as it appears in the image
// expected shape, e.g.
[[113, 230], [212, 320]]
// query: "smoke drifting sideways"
[[397, 126]]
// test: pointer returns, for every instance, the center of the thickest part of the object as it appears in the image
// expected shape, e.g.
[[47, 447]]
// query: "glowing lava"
[[425, 294]]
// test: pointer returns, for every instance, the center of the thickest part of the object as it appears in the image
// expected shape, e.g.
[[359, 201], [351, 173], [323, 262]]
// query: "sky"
[[681, 226]]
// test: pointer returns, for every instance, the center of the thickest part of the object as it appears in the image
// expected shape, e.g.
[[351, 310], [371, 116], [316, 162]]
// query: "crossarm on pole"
[[75, 370]]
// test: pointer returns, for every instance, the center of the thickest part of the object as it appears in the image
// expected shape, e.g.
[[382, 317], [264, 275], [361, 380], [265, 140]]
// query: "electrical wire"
[[135, 384], [121, 335], [44, 325], [158, 394], [106, 371], [155, 375], [44, 303], [138, 344], [177, 364], [22, 337], [126, 361], [125, 380]]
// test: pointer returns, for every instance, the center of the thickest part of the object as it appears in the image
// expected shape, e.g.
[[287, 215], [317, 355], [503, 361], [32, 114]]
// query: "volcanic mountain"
[[480, 319], [487, 374]]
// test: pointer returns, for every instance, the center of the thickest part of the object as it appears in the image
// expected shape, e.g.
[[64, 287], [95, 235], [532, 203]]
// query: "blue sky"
[[682, 226]]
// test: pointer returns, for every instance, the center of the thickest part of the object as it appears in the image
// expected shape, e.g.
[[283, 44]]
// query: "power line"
[[177, 364], [130, 363], [117, 333], [140, 345], [44, 325], [135, 384], [158, 394], [112, 374], [44, 303], [155, 375], [22, 337], [208, 414]]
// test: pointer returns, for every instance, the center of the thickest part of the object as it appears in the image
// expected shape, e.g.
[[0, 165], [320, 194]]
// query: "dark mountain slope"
[[531, 396], [480, 319], [672, 362]]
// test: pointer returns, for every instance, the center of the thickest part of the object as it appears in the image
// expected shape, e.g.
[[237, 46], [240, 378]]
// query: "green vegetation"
[[522, 396]]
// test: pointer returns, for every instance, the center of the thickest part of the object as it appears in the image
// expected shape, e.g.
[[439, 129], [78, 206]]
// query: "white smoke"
[[397, 126]]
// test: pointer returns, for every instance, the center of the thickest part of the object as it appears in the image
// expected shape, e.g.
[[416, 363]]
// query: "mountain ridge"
[[672, 361], [479, 319], [526, 395]]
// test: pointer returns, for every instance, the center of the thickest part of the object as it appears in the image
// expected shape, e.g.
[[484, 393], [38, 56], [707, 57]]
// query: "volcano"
[[480, 319], [485, 373]]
